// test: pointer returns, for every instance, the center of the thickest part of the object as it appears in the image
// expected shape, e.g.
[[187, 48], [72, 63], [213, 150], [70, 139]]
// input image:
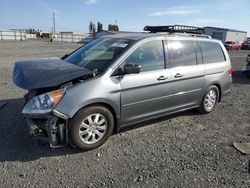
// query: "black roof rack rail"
[[175, 29]]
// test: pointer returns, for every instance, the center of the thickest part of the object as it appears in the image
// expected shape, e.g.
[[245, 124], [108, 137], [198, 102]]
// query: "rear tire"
[[209, 100], [91, 127]]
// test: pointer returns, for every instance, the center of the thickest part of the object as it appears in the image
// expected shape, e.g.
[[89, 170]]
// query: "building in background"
[[224, 34]]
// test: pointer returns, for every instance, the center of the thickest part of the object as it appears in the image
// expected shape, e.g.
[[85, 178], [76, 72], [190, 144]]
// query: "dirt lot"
[[184, 150]]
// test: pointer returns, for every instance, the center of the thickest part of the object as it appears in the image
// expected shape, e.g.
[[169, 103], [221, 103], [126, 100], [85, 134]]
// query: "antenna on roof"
[[175, 29]]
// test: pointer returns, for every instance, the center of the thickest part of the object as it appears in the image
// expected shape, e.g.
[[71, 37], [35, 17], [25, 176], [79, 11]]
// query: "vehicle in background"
[[230, 45], [246, 45], [116, 81], [246, 70]]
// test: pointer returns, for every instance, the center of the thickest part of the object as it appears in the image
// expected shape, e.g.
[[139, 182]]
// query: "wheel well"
[[110, 108], [219, 88]]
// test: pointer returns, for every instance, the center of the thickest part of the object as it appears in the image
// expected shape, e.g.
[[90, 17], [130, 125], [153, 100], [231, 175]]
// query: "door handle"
[[162, 78], [178, 75]]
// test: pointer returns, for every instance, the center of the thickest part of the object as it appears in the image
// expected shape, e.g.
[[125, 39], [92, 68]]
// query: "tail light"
[[230, 71]]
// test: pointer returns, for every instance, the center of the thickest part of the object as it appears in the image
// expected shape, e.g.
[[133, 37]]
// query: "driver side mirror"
[[131, 68]]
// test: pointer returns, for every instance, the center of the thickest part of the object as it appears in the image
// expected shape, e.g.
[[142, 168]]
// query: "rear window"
[[212, 52]]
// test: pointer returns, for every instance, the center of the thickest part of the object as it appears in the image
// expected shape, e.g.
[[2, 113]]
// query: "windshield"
[[229, 42], [98, 54]]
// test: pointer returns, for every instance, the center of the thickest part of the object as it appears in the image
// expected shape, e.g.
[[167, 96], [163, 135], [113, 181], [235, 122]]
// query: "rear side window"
[[212, 52], [181, 53]]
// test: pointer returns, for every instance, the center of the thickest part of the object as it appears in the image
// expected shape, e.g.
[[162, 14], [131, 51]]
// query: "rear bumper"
[[226, 87], [48, 127]]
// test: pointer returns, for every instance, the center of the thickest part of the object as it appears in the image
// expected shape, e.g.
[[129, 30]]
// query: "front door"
[[144, 94]]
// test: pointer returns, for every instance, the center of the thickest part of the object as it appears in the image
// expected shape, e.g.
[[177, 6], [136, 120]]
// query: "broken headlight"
[[43, 103]]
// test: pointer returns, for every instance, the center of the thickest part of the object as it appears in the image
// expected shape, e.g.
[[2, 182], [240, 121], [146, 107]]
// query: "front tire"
[[91, 127], [210, 100]]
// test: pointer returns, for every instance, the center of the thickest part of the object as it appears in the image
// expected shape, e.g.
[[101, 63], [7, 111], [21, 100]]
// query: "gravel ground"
[[183, 150]]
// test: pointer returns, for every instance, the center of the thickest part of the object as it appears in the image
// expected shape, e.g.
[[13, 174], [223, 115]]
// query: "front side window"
[[212, 52], [149, 56], [98, 54], [181, 53]]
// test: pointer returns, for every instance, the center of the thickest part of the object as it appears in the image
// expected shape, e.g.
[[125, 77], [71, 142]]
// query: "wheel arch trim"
[[115, 112], [218, 85]]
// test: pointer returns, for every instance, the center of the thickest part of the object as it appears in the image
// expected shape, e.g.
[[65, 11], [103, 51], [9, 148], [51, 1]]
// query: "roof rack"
[[175, 29]]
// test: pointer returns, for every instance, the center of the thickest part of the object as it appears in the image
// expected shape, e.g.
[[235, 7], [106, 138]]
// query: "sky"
[[130, 15]]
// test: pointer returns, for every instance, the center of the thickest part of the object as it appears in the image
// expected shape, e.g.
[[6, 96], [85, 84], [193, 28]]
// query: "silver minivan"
[[116, 81]]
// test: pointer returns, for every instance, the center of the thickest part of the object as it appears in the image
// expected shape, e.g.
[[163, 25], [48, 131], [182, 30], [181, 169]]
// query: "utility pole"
[[54, 23]]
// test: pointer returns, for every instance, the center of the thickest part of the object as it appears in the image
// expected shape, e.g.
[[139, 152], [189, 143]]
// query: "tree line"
[[99, 28]]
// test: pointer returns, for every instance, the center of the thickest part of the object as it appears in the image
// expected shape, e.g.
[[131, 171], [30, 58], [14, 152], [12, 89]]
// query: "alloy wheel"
[[210, 99], [93, 128]]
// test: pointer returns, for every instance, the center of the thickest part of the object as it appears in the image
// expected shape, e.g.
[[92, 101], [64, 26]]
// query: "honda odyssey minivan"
[[116, 81]]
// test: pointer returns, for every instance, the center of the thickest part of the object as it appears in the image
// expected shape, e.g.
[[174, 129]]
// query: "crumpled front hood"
[[44, 73]]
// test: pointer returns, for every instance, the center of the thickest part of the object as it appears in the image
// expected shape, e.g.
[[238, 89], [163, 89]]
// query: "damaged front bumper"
[[51, 127]]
